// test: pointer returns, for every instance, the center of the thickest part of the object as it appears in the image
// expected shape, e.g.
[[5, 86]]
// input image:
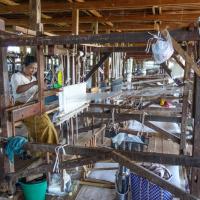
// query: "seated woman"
[[24, 88]]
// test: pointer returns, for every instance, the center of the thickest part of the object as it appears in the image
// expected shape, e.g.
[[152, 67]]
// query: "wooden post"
[[106, 71], [6, 126], [95, 31], [75, 22], [35, 14], [185, 55], [35, 19], [185, 105], [95, 28], [195, 183], [75, 31], [94, 75], [40, 61], [35, 24], [107, 66]]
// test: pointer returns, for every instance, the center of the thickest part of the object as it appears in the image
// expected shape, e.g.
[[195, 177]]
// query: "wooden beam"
[[2, 25], [185, 104], [99, 64], [24, 30], [125, 18], [94, 12], [167, 70], [142, 37], [98, 15], [100, 5], [185, 56], [124, 26], [5, 102], [34, 14], [119, 49], [178, 61], [106, 70], [152, 157], [195, 178], [95, 27], [69, 164], [75, 21], [128, 116], [97, 154], [40, 61], [129, 4], [29, 31], [97, 183], [150, 111], [136, 168], [163, 132], [25, 111], [161, 158]]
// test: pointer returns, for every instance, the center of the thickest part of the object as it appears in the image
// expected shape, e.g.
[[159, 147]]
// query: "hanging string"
[[113, 116], [56, 167], [142, 127], [35, 127], [140, 103], [150, 40]]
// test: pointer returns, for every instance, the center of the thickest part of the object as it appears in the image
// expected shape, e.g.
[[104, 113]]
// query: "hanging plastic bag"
[[56, 181], [162, 49], [59, 177]]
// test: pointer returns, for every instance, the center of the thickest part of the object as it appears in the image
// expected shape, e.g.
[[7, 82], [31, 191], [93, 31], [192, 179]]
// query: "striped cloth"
[[142, 189]]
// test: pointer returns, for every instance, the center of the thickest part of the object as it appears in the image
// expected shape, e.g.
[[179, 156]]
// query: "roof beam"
[[98, 15], [99, 5], [28, 31], [125, 26], [127, 18], [121, 26]]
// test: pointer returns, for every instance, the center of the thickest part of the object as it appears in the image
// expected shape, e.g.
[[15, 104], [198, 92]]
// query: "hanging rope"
[[113, 116], [150, 40], [142, 127], [139, 103], [56, 168]]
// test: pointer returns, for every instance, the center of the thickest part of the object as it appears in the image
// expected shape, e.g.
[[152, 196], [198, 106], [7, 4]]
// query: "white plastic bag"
[[59, 178], [55, 184], [162, 49]]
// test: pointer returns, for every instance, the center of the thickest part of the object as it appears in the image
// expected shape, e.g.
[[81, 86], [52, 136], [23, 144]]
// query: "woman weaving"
[[24, 88]]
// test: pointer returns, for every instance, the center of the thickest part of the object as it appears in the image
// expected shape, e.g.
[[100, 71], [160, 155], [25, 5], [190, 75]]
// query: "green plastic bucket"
[[35, 190]]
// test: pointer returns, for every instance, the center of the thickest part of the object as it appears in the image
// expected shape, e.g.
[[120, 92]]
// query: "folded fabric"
[[158, 169], [14, 146], [124, 137]]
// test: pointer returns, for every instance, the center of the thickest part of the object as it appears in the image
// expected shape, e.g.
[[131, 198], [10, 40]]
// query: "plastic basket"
[[142, 189]]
